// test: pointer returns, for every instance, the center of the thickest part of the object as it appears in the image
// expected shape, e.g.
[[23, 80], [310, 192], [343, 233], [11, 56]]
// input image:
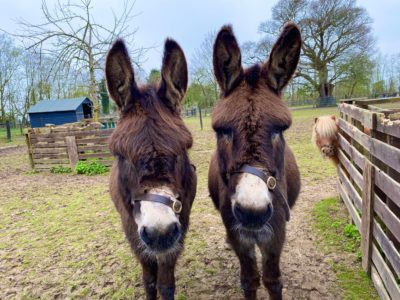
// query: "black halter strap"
[[176, 205], [269, 180]]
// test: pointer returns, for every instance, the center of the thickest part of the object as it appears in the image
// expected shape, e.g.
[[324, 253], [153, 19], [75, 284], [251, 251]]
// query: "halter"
[[175, 204], [269, 180]]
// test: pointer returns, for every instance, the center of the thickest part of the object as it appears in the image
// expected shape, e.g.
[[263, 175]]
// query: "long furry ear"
[[283, 59], [227, 60], [119, 74], [174, 74]]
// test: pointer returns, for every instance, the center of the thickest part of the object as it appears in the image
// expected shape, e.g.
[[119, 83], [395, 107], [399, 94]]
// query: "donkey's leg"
[[149, 268], [166, 278], [271, 253], [249, 276]]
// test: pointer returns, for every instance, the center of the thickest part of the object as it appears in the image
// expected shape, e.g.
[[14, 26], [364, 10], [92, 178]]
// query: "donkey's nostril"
[[145, 236]]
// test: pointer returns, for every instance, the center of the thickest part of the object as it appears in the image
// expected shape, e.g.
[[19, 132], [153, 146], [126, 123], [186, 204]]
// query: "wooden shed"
[[59, 112]]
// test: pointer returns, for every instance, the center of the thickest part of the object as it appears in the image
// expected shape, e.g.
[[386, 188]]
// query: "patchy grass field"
[[60, 236], [16, 137]]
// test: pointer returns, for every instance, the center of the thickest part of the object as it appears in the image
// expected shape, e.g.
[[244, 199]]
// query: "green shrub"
[[60, 170], [90, 168], [351, 231]]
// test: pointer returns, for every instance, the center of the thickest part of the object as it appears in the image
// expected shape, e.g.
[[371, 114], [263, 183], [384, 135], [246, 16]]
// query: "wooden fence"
[[66, 145], [369, 185]]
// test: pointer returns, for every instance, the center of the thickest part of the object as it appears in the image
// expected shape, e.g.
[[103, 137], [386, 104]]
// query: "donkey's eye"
[[275, 133], [224, 133]]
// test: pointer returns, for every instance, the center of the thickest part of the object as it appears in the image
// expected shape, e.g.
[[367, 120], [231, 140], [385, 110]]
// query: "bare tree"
[[202, 70], [73, 37], [9, 65], [333, 31]]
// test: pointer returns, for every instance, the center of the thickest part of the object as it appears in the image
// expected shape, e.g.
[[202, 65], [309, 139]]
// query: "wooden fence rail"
[[66, 145], [369, 185]]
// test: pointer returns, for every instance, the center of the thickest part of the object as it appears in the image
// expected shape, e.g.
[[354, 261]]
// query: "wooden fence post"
[[72, 150], [367, 215], [28, 143]]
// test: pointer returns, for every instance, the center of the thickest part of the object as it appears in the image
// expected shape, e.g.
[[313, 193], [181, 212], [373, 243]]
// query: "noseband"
[[269, 180], [175, 204]]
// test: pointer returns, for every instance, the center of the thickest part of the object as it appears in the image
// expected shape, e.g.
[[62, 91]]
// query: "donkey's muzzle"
[[252, 219], [160, 240]]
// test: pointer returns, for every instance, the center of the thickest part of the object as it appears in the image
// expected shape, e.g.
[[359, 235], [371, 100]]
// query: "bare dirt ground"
[[60, 238]]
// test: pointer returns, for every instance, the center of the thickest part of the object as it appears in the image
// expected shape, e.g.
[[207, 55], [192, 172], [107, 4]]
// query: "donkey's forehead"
[[259, 104]]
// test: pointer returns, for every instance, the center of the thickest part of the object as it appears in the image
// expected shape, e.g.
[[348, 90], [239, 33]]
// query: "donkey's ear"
[[174, 74], [119, 74], [284, 58], [227, 60]]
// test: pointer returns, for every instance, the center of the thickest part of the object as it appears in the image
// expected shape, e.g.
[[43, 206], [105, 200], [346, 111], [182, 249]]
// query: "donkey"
[[324, 136], [152, 182], [253, 175]]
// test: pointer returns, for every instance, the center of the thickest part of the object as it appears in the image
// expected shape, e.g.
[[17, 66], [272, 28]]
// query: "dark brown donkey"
[[153, 184], [253, 175]]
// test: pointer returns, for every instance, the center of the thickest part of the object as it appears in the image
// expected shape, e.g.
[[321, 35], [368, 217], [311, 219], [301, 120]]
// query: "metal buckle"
[[176, 206], [271, 183]]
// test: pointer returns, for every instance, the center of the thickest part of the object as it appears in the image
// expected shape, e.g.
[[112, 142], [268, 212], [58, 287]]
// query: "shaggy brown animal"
[[253, 175], [325, 137], [152, 182]]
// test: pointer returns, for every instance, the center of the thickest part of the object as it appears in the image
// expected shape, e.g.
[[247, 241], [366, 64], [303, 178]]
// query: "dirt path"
[[206, 270]]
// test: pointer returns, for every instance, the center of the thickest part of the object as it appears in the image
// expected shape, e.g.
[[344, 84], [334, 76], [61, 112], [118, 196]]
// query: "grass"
[[336, 235], [16, 137]]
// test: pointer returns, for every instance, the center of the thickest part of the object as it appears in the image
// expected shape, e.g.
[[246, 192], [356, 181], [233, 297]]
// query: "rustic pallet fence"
[[369, 185], [66, 145]]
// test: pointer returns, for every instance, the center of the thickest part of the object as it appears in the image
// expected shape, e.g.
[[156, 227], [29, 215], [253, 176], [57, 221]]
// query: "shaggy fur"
[[325, 137], [150, 143], [249, 121]]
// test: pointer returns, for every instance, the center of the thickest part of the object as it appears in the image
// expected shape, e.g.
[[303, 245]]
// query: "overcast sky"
[[189, 21]]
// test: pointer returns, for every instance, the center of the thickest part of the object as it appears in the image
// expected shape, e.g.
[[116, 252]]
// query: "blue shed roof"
[[57, 105]]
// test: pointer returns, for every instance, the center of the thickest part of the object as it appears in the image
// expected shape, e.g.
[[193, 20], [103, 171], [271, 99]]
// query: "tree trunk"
[[326, 89]]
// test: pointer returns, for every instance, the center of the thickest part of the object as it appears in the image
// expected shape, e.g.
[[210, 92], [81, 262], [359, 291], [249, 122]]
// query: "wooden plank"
[[90, 140], [51, 161], [362, 115], [49, 150], [46, 139], [95, 155], [72, 150], [388, 217], [49, 145], [50, 155], [379, 286], [355, 155], [386, 153], [96, 132], [387, 247], [350, 207], [350, 100], [384, 272], [353, 194], [94, 148], [367, 102], [29, 145], [354, 173], [388, 185], [367, 215], [392, 129]]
